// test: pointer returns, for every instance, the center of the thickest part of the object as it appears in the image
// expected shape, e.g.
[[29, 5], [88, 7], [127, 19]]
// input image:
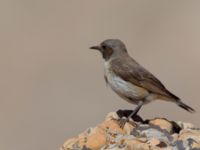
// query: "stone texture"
[[163, 124], [137, 134]]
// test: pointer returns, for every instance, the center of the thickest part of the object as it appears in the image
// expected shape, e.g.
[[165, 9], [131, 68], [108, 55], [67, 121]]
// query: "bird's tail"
[[184, 106]]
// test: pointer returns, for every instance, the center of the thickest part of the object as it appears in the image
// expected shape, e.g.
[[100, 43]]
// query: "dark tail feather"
[[186, 107]]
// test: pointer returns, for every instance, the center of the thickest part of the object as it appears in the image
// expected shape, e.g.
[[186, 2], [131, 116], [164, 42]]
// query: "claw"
[[122, 122]]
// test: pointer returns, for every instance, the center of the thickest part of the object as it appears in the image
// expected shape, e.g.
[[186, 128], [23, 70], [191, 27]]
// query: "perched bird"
[[130, 80]]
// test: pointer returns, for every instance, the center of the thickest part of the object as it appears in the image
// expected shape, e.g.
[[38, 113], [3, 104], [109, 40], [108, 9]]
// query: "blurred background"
[[51, 84]]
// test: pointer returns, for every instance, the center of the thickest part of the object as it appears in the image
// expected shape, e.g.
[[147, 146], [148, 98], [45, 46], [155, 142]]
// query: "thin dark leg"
[[122, 121], [135, 111]]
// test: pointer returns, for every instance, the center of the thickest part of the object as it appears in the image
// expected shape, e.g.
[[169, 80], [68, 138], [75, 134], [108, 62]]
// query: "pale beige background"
[[51, 84]]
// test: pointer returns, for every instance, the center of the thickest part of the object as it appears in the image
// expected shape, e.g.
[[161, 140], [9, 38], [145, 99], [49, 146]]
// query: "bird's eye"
[[104, 47]]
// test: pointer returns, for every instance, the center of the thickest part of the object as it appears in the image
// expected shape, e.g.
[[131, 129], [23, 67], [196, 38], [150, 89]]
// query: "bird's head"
[[111, 48]]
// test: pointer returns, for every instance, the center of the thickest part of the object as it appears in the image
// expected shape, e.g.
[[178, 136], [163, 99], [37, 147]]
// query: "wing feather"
[[134, 73]]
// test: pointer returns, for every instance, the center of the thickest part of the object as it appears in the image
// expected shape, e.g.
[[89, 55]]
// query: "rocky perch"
[[137, 134]]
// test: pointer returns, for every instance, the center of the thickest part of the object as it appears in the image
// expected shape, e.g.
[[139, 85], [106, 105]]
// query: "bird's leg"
[[135, 111], [123, 121]]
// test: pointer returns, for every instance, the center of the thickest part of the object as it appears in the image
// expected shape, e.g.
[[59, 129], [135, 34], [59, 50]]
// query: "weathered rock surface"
[[137, 134]]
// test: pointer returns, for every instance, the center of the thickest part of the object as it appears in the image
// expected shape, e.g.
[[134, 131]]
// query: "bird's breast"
[[121, 87]]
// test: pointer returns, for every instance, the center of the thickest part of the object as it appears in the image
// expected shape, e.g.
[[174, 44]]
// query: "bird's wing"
[[129, 70]]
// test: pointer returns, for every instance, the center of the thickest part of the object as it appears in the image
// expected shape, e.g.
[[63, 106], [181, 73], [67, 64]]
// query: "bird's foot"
[[122, 122]]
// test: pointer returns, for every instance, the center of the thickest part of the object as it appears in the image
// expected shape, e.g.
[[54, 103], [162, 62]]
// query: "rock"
[[137, 134], [163, 124], [184, 125], [190, 138]]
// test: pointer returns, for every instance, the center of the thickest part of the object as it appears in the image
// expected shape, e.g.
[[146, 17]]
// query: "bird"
[[130, 80]]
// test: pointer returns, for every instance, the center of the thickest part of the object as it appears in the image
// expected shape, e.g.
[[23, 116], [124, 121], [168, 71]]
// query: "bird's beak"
[[96, 48]]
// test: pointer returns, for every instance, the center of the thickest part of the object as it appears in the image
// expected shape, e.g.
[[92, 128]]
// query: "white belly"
[[124, 89]]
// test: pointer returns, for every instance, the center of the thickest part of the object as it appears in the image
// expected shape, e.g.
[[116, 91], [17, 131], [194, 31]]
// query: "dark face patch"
[[106, 52], [110, 46]]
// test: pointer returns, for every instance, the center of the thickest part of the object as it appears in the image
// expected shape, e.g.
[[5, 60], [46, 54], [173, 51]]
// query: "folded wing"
[[134, 73]]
